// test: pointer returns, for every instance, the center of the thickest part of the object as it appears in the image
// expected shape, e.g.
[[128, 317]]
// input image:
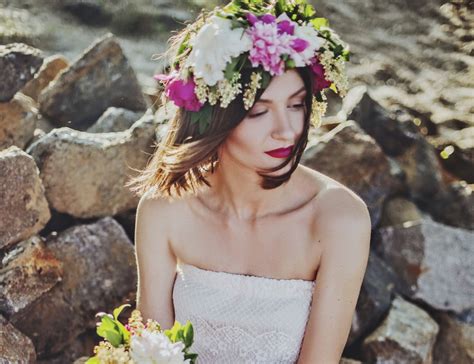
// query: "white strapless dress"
[[241, 318]]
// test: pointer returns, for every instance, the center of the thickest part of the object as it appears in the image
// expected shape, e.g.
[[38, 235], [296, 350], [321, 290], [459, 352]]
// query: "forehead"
[[283, 86]]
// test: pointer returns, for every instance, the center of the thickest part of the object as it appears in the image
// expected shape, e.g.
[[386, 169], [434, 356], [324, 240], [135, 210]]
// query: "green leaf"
[[290, 63], [308, 11], [119, 310], [195, 116], [188, 334], [123, 332], [93, 360], [319, 22], [229, 70], [183, 44], [191, 356], [113, 337], [333, 87], [106, 324]]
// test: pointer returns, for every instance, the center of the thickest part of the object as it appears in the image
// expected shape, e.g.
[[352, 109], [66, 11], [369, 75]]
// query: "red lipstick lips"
[[280, 153]]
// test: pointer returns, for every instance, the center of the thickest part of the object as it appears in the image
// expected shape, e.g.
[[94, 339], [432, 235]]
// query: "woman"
[[267, 266]]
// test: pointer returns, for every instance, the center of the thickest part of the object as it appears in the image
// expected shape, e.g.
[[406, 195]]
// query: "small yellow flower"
[[318, 109], [251, 90]]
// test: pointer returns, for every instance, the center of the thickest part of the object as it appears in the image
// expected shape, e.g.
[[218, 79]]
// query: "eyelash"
[[299, 106]]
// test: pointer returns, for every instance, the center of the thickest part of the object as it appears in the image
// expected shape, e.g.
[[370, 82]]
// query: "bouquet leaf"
[[93, 360]]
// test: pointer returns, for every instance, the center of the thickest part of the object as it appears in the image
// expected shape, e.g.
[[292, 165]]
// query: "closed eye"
[[297, 106]]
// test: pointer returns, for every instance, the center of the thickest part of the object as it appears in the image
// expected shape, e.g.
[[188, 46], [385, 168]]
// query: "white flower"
[[213, 46], [156, 348], [308, 33]]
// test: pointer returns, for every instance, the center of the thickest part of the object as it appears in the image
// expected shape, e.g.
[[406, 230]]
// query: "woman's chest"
[[284, 247]]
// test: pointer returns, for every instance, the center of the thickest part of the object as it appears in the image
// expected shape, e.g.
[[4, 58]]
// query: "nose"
[[284, 126]]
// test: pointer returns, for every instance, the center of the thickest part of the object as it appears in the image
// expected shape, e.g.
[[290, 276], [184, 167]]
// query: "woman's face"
[[275, 121]]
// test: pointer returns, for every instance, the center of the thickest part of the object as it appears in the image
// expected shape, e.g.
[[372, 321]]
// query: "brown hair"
[[184, 155]]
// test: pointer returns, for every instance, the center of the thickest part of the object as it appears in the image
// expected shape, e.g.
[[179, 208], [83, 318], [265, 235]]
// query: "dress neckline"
[[250, 276]]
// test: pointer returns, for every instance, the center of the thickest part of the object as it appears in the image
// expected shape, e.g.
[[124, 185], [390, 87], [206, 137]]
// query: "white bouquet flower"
[[139, 343]]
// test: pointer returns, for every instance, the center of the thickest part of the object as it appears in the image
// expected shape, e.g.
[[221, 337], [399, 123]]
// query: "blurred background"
[[79, 110]]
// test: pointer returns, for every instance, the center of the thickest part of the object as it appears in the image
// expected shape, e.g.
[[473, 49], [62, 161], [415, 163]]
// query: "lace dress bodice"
[[241, 318]]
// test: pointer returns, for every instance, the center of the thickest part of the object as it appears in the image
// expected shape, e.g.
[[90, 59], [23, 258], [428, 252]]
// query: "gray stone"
[[15, 347], [407, 335], [100, 78], [27, 271], [18, 64], [99, 273], [18, 120], [432, 260], [24, 210], [115, 119], [84, 174]]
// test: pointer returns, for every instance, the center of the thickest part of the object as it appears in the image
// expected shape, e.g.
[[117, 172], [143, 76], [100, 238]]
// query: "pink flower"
[[181, 92], [285, 26], [127, 326], [320, 81], [268, 18], [299, 45], [251, 18], [269, 46]]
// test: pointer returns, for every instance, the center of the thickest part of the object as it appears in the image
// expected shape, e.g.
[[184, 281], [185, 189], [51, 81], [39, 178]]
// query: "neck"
[[236, 193]]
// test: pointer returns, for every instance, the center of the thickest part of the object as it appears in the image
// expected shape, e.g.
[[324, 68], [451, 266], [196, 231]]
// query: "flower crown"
[[268, 36]]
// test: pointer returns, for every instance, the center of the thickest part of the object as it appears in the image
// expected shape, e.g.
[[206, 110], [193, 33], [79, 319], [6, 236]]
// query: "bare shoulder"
[[156, 213], [335, 202]]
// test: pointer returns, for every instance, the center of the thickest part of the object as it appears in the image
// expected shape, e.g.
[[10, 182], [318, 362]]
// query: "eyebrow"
[[293, 94]]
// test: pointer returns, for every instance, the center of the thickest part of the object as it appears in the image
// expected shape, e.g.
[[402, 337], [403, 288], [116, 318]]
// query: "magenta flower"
[[268, 18], [181, 92], [286, 26], [251, 18], [320, 81], [299, 44]]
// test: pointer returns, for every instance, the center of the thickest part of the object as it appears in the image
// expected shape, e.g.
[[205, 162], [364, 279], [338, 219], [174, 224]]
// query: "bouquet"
[[137, 342]]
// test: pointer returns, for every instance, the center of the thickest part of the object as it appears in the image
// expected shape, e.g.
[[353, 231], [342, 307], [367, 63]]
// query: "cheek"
[[246, 137]]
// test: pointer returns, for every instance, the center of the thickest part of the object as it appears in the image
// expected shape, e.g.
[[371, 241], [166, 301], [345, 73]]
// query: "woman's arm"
[[344, 227], [156, 262]]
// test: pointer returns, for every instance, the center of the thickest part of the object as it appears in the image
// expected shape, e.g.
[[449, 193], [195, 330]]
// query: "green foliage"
[[112, 329], [203, 117], [185, 334]]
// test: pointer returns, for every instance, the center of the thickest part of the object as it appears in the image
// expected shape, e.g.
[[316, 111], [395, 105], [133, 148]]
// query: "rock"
[[115, 119], [91, 12], [406, 335], [374, 299], [453, 205], [100, 78], [399, 139], [18, 120], [18, 64], [399, 210], [352, 157], [456, 149], [15, 347], [455, 341], [51, 67], [84, 173], [82, 345], [18, 25], [431, 259], [128, 220], [23, 207], [100, 271], [27, 271]]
